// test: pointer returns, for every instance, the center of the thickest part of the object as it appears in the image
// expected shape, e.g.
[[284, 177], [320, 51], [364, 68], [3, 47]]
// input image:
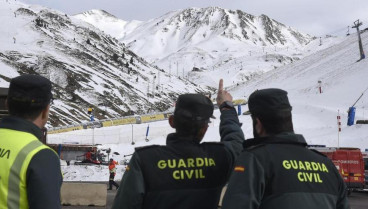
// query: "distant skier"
[[14, 39]]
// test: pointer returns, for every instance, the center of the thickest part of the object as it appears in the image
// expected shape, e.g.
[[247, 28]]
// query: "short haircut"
[[185, 127], [26, 110], [275, 123]]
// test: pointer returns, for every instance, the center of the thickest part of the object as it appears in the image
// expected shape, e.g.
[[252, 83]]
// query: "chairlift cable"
[[360, 96]]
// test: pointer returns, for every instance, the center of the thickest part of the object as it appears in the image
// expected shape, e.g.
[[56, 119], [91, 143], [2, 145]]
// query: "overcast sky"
[[316, 17]]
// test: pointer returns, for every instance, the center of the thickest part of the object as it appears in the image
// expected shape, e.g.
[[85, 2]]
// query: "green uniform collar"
[[282, 138], [20, 124], [175, 138]]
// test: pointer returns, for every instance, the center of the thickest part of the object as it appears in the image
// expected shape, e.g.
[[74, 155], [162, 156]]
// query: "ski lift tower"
[[356, 25]]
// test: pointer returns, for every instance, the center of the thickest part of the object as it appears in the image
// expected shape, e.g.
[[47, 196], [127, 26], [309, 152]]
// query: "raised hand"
[[223, 95]]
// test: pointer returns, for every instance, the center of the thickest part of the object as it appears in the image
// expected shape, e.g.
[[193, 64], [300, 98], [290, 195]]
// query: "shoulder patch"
[[316, 151], [137, 149]]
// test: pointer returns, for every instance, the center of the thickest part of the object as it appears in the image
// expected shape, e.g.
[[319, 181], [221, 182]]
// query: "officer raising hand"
[[184, 173], [223, 95]]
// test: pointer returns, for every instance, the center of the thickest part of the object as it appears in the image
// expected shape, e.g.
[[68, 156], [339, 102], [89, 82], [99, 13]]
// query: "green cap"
[[30, 89], [195, 107], [269, 101]]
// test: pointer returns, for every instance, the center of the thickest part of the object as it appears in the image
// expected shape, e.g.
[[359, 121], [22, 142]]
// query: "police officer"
[[276, 169], [30, 175], [185, 173]]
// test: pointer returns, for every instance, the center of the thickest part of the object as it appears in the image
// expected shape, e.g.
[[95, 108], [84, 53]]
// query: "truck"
[[79, 153], [349, 162], [365, 158]]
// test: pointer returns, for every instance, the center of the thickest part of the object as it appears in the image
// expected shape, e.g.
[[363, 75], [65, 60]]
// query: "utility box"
[[351, 116]]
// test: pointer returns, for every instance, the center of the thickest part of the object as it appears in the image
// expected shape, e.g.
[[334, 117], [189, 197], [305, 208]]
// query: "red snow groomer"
[[349, 162]]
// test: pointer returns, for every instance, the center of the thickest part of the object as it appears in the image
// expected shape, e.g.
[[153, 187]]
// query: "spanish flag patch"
[[239, 169]]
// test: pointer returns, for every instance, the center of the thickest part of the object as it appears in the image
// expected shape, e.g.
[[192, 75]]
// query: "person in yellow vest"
[[30, 175]]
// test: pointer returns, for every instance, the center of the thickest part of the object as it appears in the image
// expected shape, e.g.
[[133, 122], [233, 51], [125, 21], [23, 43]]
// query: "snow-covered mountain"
[[343, 80], [212, 40], [86, 66], [108, 23]]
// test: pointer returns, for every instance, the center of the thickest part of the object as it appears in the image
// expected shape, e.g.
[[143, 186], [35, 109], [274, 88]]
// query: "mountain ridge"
[[86, 66], [208, 38]]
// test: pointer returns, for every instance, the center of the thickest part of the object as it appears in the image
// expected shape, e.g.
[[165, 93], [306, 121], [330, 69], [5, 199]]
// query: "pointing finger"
[[221, 85]]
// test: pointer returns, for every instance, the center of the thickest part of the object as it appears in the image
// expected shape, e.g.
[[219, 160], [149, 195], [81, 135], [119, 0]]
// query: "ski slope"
[[314, 114]]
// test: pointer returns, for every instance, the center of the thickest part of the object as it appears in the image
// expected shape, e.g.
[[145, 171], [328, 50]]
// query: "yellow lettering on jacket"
[[309, 171], [189, 168]]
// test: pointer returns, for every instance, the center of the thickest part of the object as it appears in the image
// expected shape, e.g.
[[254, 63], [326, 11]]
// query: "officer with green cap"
[[30, 175], [185, 173], [276, 169]]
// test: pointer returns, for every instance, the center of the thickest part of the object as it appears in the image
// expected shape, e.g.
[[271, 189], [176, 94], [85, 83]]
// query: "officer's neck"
[[41, 120]]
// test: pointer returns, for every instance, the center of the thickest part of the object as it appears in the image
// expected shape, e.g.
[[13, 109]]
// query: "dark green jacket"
[[184, 174], [280, 172]]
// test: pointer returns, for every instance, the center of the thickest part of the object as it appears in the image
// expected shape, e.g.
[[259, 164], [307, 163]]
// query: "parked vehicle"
[[365, 158], [349, 162]]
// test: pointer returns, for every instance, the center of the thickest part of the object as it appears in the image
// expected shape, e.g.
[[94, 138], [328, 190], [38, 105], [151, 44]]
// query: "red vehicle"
[[365, 158], [349, 162]]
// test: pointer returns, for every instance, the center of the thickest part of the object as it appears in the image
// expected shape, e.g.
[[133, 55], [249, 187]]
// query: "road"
[[358, 200]]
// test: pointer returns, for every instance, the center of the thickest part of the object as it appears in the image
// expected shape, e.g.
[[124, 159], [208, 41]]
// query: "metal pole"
[[338, 128], [348, 31], [356, 25], [93, 135], [132, 136], [147, 133]]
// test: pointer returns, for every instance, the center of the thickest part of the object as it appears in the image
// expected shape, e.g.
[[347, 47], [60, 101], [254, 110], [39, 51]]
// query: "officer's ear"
[[261, 131], [45, 114], [171, 121], [202, 132]]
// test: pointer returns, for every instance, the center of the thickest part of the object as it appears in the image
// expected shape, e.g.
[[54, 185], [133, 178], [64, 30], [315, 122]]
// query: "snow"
[[108, 23], [314, 114], [203, 38], [80, 71]]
